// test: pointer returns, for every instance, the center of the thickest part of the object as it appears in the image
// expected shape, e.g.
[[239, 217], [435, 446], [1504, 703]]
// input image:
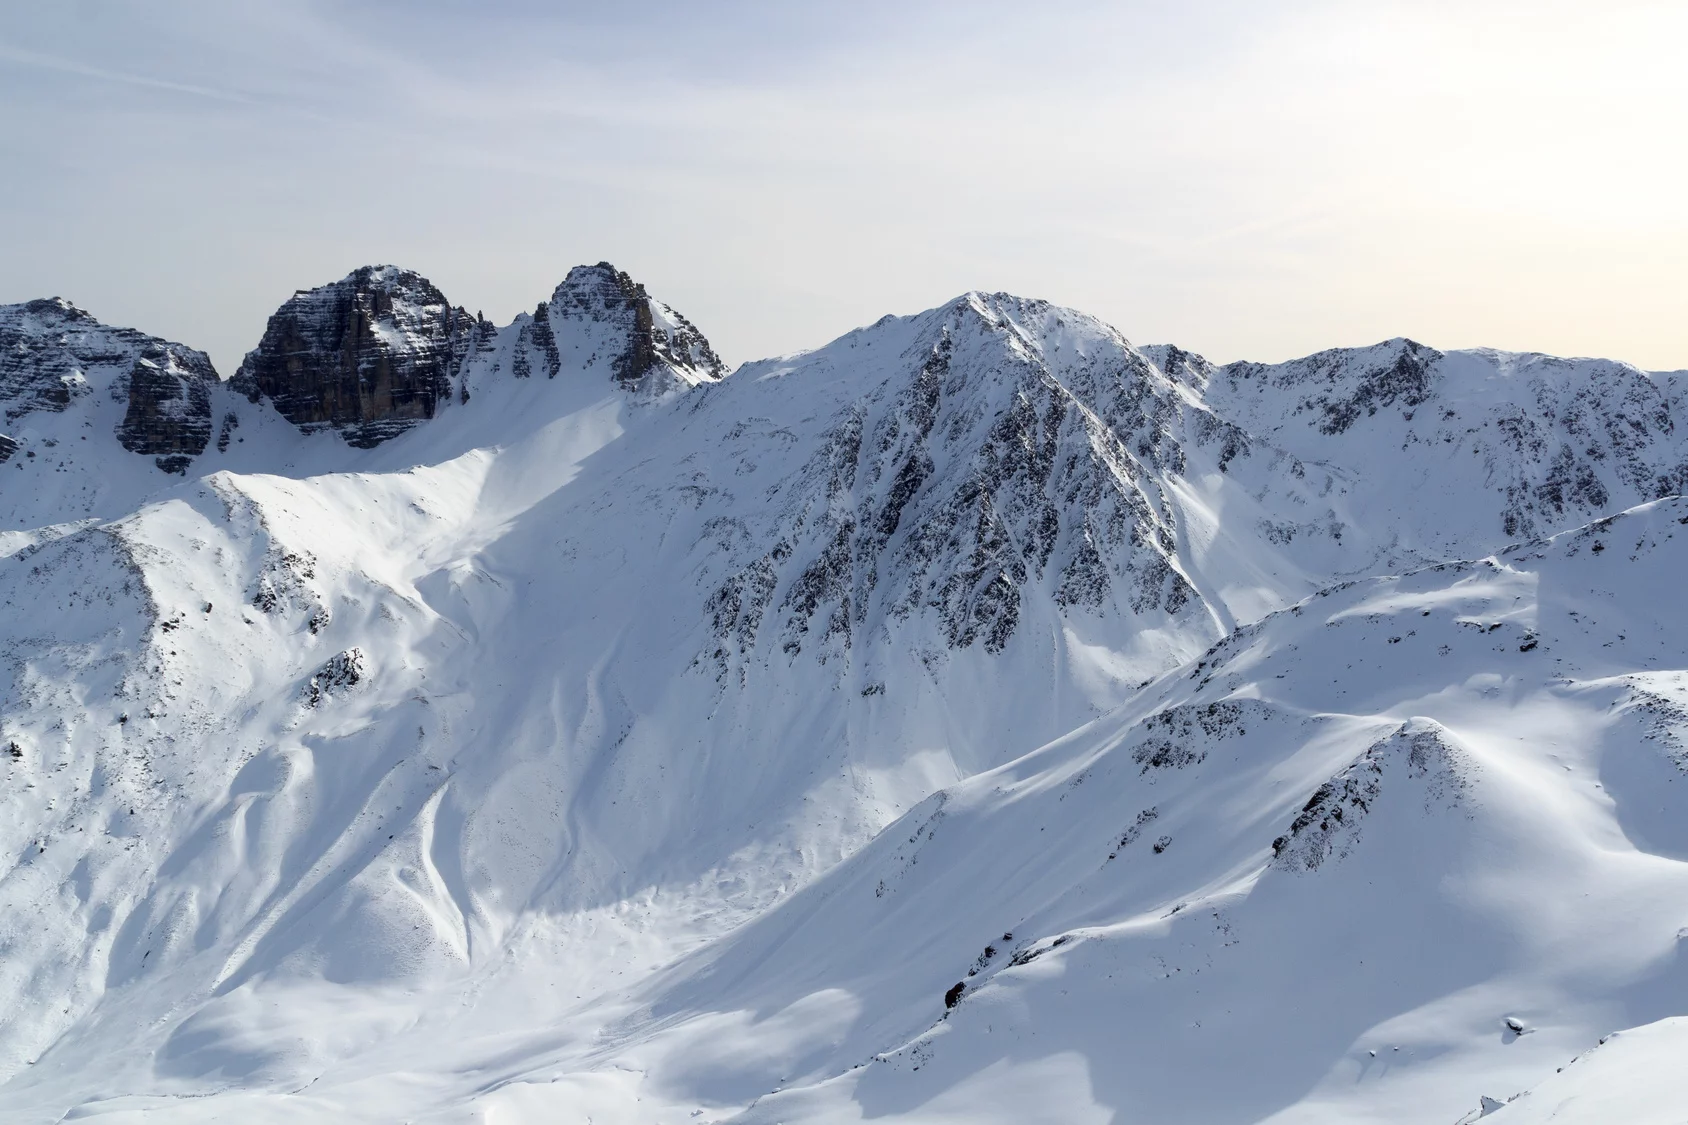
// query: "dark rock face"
[[370, 355], [169, 415], [44, 346], [342, 673], [1339, 392], [1330, 823], [655, 340], [53, 353], [536, 340]]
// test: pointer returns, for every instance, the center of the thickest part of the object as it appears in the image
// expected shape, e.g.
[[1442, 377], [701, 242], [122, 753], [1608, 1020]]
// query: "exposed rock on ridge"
[[655, 349], [169, 408], [382, 349], [989, 456], [53, 353], [1554, 440], [369, 355]]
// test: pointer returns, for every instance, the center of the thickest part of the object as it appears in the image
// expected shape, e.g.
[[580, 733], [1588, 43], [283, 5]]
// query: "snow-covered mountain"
[[977, 718], [1527, 444]]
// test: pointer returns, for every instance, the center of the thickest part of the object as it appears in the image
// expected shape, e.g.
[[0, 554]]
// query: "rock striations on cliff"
[[370, 355], [54, 355], [380, 350]]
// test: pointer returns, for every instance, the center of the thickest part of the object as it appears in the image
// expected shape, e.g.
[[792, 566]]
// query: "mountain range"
[[978, 718]]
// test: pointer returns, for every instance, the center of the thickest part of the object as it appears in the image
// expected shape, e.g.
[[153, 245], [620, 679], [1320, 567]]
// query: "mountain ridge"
[[631, 739]]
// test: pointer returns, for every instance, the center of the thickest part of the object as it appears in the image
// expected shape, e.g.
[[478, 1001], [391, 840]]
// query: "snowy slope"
[[616, 740], [1307, 878], [1620, 1080]]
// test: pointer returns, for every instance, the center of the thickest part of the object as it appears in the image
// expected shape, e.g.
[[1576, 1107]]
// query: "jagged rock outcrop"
[[370, 355], [53, 354], [1329, 824], [44, 348], [169, 413], [377, 352], [536, 346], [654, 347], [599, 323]]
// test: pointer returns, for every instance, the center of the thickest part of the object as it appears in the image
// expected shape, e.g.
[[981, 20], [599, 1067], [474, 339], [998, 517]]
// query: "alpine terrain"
[[979, 718]]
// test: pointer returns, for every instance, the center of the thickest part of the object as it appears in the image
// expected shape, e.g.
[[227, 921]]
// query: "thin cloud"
[[67, 66]]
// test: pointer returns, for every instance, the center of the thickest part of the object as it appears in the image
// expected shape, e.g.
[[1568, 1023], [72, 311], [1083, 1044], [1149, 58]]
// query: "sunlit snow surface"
[[583, 756]]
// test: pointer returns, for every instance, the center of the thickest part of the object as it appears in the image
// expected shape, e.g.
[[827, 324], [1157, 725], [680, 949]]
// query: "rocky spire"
[[659, 350]]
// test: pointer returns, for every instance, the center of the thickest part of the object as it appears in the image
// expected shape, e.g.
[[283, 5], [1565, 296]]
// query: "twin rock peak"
[[369, 356]]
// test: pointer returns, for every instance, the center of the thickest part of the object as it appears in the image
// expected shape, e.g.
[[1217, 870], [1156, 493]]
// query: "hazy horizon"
[[1244, 183]]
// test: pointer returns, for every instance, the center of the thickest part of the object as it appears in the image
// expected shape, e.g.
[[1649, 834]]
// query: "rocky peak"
[[53, 354], [46, 350], [1334, 389], [1553, 440], [990, 459], [370, 355], [651, 347]]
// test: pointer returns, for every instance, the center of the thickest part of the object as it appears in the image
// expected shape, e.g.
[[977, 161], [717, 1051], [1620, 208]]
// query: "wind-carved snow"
[[978, 718], [1258, 916]]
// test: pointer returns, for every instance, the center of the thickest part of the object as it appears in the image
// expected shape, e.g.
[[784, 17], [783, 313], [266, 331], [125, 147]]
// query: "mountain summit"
[[651, 347], [369, 355], [381, 350]]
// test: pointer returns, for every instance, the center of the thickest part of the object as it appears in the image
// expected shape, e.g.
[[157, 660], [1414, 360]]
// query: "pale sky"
[[1251, 180]]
